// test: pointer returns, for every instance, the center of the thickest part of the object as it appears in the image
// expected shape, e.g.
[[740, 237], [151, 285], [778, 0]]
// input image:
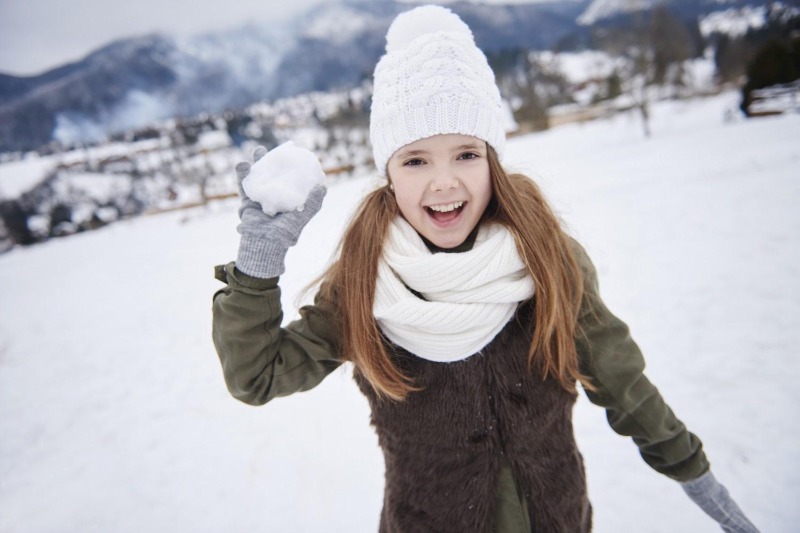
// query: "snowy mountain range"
[[135, 82]]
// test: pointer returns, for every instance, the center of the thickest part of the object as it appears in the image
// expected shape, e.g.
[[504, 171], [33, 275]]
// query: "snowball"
[[281, 180], [421, 21]]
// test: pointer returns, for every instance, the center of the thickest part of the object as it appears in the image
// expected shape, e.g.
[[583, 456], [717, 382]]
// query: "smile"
[[445, 213], [446, 208]]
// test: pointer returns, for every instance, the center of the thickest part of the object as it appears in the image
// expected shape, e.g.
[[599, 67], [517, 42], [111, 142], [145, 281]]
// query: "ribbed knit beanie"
[[432, 80]]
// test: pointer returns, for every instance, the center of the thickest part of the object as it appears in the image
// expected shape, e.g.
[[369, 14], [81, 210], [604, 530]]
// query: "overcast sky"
[[36, 35]]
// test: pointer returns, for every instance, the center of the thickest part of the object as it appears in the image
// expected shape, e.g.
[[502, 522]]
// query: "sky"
[[37, 35]]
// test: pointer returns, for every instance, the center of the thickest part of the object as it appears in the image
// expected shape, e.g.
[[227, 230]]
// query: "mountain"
[[340, 42], [135, 82]]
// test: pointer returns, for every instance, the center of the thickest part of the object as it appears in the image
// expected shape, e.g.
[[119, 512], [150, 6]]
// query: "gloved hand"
[[266, 239], [714, 499]]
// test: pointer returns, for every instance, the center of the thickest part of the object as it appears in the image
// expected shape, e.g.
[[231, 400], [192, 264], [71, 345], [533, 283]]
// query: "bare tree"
[[670, 46], [531, 84], [654, 48]]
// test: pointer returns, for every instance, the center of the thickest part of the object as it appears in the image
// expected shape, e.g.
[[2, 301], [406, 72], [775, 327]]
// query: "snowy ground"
[[114, 415]]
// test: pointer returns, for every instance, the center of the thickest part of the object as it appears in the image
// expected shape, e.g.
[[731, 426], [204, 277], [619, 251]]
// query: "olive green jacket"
[[262, 361]]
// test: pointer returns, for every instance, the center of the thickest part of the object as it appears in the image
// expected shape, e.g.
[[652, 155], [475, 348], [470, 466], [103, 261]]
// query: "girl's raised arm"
[[261, 360]]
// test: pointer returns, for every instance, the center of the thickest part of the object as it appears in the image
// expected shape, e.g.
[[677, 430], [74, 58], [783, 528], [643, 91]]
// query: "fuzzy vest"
[[443, 445]]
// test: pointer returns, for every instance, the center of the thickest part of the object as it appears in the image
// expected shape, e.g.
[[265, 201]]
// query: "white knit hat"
[[432, 80]]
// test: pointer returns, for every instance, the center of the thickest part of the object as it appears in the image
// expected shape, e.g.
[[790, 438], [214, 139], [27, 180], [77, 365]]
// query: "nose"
[[444, 180]]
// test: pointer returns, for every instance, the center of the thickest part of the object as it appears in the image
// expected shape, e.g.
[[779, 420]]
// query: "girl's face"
[[442, 186]]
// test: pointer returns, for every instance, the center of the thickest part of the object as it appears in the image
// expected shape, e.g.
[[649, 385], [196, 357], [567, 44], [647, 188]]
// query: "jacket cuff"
[[236, 279]]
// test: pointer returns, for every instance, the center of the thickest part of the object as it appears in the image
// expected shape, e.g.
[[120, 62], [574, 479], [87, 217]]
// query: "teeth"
[[444, 208]]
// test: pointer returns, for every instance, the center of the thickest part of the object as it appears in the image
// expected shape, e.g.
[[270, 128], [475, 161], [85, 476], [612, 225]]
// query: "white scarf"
[[468, 297]]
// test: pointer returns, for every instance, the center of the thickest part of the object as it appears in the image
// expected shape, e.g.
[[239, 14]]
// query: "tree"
[[15, 219], [735, 55], [516, 79], [60, 219], [653, 46], [670, 46], [777, 62], [731, 55], [531, 84]]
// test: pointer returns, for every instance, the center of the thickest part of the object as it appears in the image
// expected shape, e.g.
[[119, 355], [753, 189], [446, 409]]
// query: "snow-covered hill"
[[140, 81], [114, 415], [601, 10], [723, 22]]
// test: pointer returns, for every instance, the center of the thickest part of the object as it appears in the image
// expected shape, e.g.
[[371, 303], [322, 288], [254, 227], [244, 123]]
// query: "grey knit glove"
[[266, 239], [714, 499]]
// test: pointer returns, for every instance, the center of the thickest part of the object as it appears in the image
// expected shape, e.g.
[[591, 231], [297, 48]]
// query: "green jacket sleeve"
[[260, 360], [610, 358]]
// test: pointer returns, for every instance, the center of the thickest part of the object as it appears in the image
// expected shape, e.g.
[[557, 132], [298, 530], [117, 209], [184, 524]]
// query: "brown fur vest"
[[443, 445]]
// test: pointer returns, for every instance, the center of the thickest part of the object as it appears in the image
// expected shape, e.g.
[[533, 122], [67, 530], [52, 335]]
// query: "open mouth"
[[445, 212]]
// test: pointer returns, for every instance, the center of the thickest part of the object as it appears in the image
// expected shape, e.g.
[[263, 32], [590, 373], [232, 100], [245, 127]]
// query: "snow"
[[602, 9], [17, 177], [281, 180], [486, 2], [114, 415], [581, 66], [213, 140], [733, 22], [103, 188]]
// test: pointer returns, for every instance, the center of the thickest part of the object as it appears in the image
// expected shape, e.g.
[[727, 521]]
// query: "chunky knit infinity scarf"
[[467, 297]]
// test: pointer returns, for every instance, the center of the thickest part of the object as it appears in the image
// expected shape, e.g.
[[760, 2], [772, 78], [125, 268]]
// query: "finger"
[[318, 192], [258, 153], [242, 170], [315, 197]]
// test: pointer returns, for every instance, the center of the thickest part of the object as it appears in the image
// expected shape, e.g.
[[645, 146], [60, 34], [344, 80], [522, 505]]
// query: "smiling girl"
[[468, 314], [442, 186]]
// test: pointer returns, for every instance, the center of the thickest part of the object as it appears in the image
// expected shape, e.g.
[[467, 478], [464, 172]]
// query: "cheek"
[[406, 200], [480, 185], [407, 192], [487, 192]]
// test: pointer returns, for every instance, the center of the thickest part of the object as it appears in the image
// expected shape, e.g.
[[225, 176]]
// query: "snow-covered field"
[[114, 416]]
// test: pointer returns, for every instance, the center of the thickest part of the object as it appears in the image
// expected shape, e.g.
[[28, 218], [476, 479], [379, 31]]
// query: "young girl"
[[468, 314]]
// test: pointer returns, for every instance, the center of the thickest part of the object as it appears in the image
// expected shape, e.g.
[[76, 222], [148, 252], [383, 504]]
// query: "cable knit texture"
[[432, 80], [468, 297]]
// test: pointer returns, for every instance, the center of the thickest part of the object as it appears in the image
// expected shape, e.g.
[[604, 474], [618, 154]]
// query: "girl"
[[467, 312]]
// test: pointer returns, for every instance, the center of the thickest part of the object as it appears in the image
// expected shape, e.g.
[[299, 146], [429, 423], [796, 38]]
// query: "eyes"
[[464, 156]]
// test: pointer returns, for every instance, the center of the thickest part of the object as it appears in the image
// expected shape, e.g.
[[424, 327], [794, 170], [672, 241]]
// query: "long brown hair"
[[518, 204]]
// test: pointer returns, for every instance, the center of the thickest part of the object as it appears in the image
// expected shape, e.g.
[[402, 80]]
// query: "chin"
[[447, 242]]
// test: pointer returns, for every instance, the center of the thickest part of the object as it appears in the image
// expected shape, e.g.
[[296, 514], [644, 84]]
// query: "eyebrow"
[[412, 153], [468, 146]]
